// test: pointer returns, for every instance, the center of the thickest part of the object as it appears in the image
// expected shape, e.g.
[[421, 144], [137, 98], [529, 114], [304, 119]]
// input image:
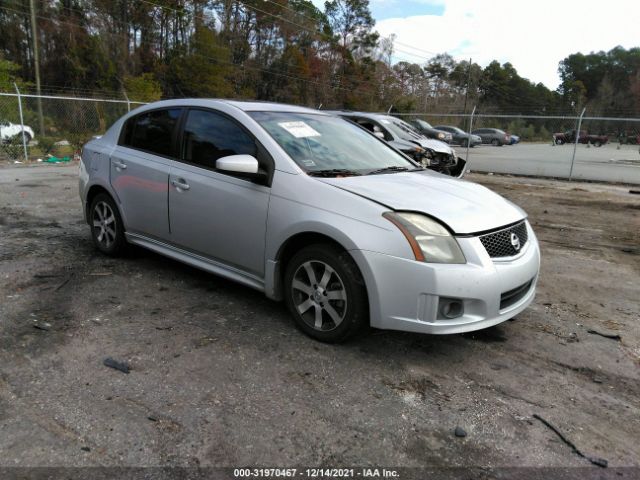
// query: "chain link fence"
[[606, 149], [63, 126]]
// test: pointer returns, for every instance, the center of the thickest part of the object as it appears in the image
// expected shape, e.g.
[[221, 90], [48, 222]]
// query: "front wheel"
[[325, 293], [107, 229], [597, 143], [495, 142]]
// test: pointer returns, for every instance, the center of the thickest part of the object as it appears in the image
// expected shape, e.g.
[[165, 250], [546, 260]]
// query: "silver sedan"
[[310, 209]]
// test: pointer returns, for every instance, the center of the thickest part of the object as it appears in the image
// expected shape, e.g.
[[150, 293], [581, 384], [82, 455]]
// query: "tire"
[[597, 143], [309, 286], [464, 143], [559, 141], [495, 142], [107, 228], [18, 138]]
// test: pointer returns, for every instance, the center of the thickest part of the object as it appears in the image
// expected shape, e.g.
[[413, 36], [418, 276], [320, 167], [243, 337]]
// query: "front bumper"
[[407, 295]]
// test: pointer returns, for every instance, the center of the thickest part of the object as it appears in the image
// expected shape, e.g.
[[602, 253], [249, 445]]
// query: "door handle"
[[119, 165], [180, 184]]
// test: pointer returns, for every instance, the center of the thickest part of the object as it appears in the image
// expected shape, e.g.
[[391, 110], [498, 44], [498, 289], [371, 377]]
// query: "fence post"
[[24, 140], [467, 166], [575, 144], [126, 97]]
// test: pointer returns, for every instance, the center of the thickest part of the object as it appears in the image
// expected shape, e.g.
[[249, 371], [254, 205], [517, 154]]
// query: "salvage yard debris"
[[606, 335], [600, 462], [117, 365]]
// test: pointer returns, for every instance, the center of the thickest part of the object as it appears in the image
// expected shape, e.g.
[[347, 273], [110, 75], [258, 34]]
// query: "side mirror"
[[246, 164], [243, 166]]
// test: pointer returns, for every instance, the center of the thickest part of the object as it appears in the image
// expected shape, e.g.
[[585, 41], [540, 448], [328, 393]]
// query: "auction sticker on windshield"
[[299, 129]]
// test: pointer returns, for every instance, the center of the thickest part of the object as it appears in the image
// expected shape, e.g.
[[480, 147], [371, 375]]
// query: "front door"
[[212, 213]]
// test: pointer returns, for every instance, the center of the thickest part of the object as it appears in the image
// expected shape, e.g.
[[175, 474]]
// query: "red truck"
[[584, 137]]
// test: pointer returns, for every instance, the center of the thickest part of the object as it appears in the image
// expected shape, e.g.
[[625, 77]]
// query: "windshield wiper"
[[333, 172], [394, 168]]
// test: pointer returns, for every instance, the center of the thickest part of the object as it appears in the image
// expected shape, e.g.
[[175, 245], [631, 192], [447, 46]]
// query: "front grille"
[[499, 244], [510, 297]]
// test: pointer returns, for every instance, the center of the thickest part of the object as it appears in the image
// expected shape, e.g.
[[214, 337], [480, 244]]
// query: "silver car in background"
[[433, 154], [311, 209]]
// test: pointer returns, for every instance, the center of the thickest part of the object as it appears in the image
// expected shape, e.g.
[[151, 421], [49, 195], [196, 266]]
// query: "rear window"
[[152, 131]]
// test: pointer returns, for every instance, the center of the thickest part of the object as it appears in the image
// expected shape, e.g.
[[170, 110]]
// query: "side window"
[[152, 131], [209, 136]]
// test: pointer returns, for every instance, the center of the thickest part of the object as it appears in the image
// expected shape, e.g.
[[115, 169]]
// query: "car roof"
[[246, 106], [372, 116]]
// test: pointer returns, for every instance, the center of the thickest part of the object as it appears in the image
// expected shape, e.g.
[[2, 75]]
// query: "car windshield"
[[401, 128], [331, 145], [423, 123], [454, 129]]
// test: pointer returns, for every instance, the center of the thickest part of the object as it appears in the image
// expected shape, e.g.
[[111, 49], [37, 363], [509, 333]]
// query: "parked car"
[[460, 137], [428, 131], [493, 136], [584, 137], [311, 209], [430, 153], [514, 139], [10, 131], [629, 138]]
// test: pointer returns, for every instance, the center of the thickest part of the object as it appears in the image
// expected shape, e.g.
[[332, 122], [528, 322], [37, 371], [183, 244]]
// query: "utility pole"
[[36, 63], [466, 91]]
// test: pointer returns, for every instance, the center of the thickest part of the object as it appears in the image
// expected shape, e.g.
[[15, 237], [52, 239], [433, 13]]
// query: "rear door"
[[214, 213], [140, 167]]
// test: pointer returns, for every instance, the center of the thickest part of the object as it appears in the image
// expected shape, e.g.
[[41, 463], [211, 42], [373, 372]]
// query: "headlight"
[[441, 135], [429, 240]]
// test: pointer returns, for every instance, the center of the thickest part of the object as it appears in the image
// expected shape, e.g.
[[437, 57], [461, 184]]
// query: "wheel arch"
[[289, 248], [92, 192]]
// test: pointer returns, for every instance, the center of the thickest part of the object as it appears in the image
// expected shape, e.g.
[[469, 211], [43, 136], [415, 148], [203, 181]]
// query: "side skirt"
[[197, 261]]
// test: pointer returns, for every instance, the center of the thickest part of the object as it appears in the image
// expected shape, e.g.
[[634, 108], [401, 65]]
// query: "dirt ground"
[[220, 376]]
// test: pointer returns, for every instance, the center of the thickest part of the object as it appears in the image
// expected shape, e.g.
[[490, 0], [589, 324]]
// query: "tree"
[[201, 70], [143, 88], [8, 75]]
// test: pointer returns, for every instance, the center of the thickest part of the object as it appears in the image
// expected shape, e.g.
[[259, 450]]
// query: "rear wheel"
[[465, 143], [18, 138], [107, 229], [325, 293], [597, 143], [495, 142]]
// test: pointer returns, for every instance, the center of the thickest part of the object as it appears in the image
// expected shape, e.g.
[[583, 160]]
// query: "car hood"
[[463, 206], [435, 145]]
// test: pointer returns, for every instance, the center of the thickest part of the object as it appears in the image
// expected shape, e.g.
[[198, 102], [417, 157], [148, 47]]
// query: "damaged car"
[[433, 154], [311, 209]]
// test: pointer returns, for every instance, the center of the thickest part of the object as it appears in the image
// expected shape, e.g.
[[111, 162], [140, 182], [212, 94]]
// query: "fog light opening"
[[451, 308]]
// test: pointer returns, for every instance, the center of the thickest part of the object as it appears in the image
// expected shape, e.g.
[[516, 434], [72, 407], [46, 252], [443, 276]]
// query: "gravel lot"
[[220, 376]]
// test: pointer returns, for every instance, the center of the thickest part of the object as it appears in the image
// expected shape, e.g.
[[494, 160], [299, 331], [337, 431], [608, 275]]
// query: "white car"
[[10, 130]]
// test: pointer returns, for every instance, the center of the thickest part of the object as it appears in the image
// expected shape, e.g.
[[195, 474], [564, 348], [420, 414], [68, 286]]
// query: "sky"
[[534, 35]]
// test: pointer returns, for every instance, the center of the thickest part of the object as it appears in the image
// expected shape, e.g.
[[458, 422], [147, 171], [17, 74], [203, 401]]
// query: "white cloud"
[[534, 35]]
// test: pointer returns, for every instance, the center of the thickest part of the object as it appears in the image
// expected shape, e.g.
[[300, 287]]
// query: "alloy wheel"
[[104, 224], [319, 295]]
